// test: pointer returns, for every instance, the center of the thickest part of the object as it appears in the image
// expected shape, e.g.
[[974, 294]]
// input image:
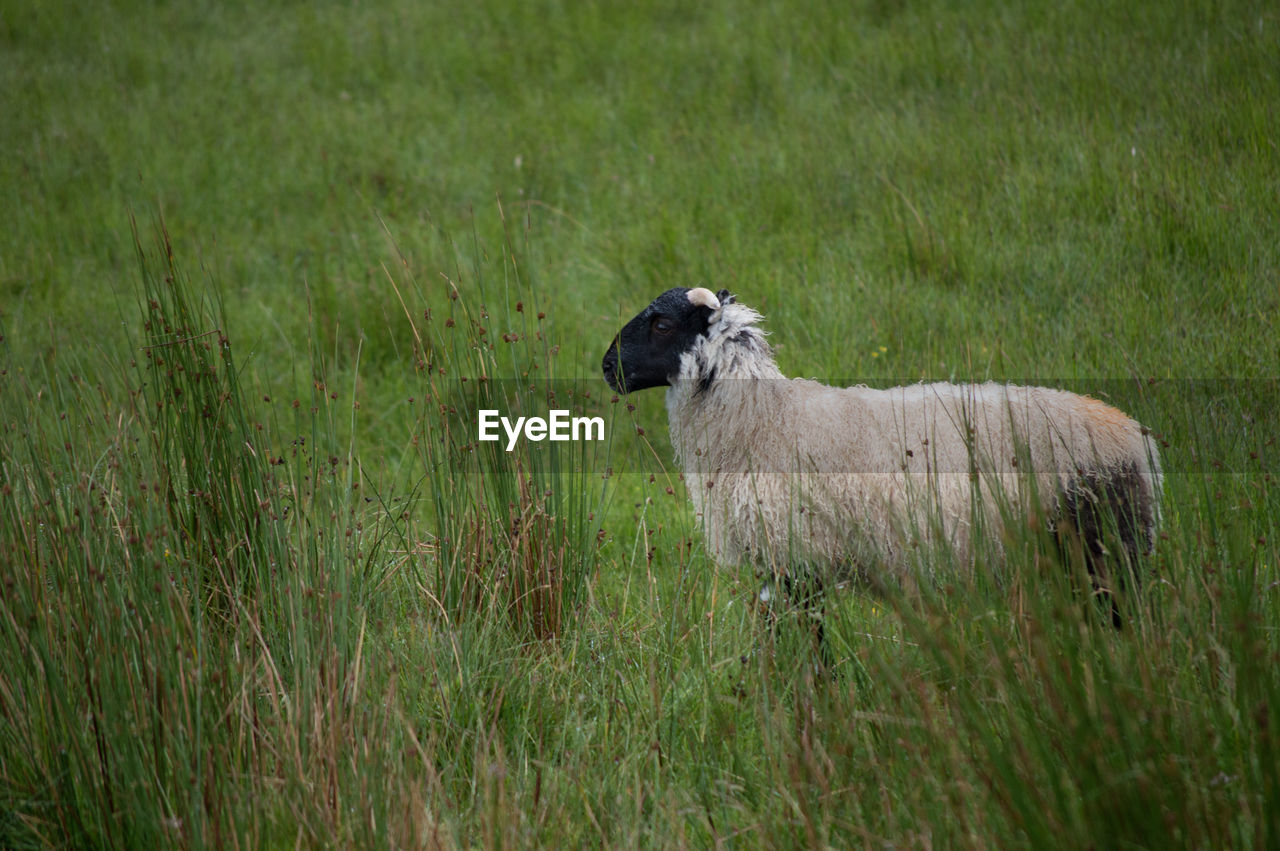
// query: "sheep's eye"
[[661, 325]]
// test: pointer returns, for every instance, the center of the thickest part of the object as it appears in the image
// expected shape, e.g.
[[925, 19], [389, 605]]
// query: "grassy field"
[[260, 266]]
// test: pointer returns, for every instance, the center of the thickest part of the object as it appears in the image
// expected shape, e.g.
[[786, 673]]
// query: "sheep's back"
[[995, 427], [839, 471]]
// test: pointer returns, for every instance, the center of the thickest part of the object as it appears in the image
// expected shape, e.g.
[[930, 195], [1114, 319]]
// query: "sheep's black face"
[[647, 351]]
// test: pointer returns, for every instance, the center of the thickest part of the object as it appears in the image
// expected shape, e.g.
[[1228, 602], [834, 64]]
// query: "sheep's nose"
[[610, 365]]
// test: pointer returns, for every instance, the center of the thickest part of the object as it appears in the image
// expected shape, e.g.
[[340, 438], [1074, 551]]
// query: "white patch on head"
[[703, 297]]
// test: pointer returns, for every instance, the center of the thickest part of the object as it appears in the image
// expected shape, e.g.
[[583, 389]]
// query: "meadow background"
[[260, 587]]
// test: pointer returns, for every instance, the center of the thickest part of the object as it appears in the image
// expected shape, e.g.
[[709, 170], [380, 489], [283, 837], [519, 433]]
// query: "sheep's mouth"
[[610, 368]]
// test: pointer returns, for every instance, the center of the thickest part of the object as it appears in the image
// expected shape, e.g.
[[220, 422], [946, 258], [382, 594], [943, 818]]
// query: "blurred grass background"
[[256, 593]]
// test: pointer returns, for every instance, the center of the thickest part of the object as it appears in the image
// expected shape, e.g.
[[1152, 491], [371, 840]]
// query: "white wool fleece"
[[791, 471]]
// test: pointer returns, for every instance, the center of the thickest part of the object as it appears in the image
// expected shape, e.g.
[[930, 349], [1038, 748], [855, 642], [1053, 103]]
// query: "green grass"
[[261, 586]]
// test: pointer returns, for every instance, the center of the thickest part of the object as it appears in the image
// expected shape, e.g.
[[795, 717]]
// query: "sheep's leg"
[[1083, 538], [768, 606], [764, 601], [1103, 505], [808, 595]]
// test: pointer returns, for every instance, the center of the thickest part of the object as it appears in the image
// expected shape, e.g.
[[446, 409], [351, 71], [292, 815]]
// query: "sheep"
[[816, 484]]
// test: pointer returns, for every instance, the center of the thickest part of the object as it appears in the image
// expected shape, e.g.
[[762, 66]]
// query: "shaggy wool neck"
[[720, 378], [732, 347]]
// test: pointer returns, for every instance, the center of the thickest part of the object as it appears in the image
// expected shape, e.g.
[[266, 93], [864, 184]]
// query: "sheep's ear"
[[725, 297]]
